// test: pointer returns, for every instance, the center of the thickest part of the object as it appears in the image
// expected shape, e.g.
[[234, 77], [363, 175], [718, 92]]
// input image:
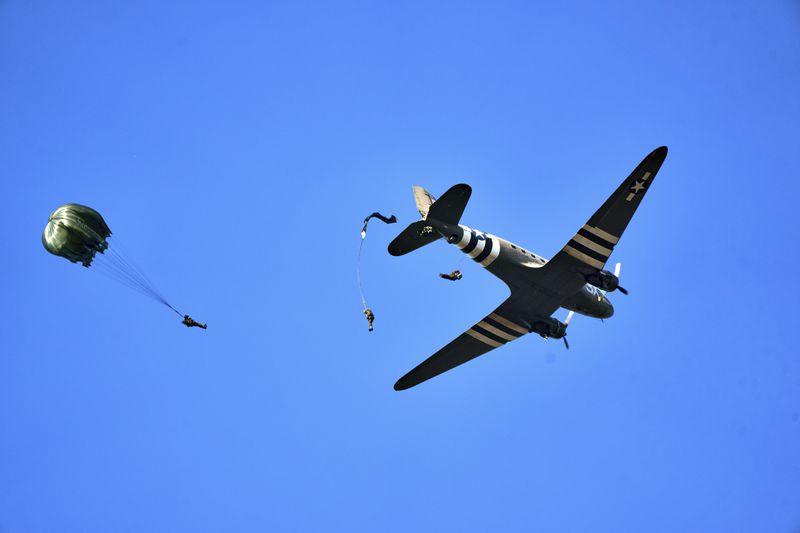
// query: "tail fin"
[[450, 206], [424, 200], [448, 209]]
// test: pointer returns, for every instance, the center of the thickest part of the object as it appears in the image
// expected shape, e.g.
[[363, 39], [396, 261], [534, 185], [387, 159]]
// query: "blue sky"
[[234, 149]]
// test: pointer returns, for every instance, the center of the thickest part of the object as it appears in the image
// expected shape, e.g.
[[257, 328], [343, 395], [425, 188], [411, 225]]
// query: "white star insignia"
[[639, 186]]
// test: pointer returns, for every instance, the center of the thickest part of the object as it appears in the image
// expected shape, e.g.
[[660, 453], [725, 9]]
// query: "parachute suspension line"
[[387, 220], [114, 264], [358, 273], [109, 268], [128, 270], [170, 306], [116, 261], [120, 252], [141, 279], [134, 267], [111, 271], [135, 274], [105, 269]]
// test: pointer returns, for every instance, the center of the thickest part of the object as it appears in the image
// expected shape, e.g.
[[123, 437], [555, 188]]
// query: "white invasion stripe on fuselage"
[[478, 247], [494, 253], [465, 237]]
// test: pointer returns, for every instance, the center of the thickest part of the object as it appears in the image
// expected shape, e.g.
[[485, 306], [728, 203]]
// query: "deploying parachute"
[[78, 233], [388, 220]]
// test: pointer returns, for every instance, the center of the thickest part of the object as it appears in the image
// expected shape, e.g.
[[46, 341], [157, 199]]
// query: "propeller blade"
[[617, 269], [566, 324]]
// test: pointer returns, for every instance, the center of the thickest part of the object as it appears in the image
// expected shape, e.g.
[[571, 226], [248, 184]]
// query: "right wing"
[[595, 241], [588, 251], [499, 327]]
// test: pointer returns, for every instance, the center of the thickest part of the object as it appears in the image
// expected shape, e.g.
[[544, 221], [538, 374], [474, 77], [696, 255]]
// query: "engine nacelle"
[[549, 328], [604, 280]]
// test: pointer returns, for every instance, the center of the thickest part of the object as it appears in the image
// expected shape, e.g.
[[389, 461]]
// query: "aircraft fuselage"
[[513, 264]]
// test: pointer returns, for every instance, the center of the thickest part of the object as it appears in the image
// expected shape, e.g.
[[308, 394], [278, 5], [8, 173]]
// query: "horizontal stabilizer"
[[415, 236]]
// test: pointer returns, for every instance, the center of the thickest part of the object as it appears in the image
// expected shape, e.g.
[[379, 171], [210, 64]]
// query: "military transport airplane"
[[574, 279]]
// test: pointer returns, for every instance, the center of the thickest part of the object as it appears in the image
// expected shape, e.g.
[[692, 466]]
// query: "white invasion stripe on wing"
[[591, 245], [499, 332], [583, 257], [606, 236], [507, 323], [483, 338]]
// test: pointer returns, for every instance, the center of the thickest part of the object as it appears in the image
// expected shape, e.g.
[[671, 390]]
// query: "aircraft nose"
[[608, 309]]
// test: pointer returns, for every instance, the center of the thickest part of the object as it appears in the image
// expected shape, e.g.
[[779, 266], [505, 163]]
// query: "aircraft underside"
[[514, 265]]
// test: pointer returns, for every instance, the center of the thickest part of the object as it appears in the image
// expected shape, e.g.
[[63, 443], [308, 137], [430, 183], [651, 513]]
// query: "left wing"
[[502, 325]]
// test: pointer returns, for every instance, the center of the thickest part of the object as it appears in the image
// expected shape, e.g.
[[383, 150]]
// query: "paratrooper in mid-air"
[[189, 322], [455, 275], [370, 317]]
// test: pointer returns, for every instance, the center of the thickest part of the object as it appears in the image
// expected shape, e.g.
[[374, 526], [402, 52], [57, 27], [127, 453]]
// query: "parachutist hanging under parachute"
[[189, 322], [370, 317], [78, 233], [388, 220]]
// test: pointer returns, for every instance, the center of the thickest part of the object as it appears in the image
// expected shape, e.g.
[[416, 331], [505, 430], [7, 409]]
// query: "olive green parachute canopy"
[[76, 232]]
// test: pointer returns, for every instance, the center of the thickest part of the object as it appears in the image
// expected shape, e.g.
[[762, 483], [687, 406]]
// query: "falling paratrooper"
[[368, 313]]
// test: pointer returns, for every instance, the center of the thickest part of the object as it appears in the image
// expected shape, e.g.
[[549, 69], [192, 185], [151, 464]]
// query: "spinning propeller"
[[617, 268], [566, 324]]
